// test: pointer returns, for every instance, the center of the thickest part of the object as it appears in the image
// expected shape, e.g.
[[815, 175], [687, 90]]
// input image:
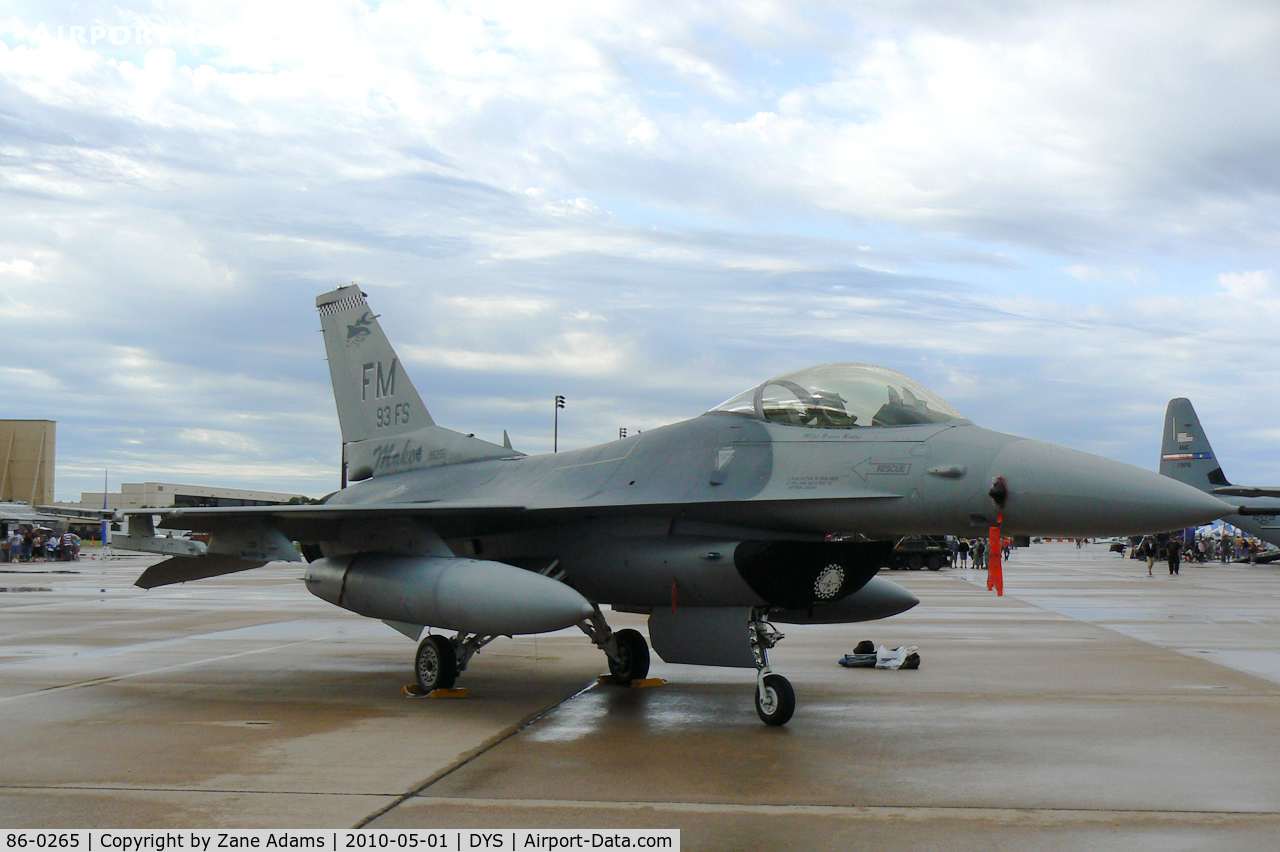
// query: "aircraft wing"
[[250, 536], [452, 518], [315, 522], [75, 512], [1245, 491]]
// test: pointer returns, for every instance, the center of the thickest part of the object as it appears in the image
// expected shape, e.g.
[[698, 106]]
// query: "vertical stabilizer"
[[1185, 454], [374, 395]]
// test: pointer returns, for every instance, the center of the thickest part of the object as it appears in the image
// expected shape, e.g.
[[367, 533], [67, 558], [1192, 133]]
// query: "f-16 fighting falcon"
[[1186, 456], [776, 506]]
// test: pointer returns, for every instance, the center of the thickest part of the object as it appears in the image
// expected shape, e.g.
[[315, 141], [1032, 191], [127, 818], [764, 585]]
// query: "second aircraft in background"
[[1185, 455]]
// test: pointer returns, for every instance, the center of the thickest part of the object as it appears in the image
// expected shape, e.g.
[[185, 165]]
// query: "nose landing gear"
[[775, 699]]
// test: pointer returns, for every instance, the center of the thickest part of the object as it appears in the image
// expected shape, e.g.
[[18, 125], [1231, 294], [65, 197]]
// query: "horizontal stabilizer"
[[159, 544], [1245, 491], [180, 569]]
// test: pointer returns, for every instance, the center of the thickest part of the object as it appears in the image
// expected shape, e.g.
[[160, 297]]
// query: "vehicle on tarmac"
[[715, 527], [915, 552]]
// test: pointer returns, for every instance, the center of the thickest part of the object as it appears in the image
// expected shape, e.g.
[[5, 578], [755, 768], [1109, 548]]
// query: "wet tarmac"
[[1092, 707]]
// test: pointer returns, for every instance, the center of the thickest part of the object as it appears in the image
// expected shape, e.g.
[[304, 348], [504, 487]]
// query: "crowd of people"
[[977, 549], [1205, 548], [1170, 549], [37, 545]]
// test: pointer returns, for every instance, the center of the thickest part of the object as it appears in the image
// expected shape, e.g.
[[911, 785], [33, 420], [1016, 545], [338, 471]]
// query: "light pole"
[[622, 432], [555, 437]]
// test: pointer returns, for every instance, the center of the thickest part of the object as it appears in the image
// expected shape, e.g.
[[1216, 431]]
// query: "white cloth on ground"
[[886, 659]]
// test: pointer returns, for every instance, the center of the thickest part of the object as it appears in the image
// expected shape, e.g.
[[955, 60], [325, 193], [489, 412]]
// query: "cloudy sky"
[[1057, 215]]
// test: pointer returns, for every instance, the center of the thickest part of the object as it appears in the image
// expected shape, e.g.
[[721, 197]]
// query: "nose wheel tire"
[[778, 701], [633, 657], [436, 664]]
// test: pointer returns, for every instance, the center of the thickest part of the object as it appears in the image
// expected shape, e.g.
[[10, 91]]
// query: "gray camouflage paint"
[[635, 521]]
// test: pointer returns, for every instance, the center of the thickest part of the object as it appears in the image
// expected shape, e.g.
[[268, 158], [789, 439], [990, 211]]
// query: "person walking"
[[1175, 549], [1148, 548]]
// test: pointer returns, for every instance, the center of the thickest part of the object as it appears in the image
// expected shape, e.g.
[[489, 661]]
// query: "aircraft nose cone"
[[1053, 490]]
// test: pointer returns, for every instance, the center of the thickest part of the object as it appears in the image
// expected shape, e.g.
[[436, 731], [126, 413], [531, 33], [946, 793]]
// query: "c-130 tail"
[[1185, 454], [386, 428]]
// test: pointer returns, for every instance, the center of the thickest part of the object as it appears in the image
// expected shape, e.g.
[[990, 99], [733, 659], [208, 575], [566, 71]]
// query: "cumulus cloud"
[[1248, 286]]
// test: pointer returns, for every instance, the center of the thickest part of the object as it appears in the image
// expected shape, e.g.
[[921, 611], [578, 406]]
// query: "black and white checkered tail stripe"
[[330, 308]]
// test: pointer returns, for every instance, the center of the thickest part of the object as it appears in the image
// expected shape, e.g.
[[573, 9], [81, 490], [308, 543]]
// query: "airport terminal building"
[[160, 495]]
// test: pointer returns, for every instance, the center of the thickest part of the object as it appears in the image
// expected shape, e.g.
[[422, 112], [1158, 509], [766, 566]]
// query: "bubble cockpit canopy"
[[842, 396]]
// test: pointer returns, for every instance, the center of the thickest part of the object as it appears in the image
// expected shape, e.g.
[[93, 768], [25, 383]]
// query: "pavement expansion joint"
[[161, 670], [929, 812], [496, 740]]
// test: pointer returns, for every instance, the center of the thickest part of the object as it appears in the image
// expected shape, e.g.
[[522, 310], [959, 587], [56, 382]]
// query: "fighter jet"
[[776, 506], [1186, 456]]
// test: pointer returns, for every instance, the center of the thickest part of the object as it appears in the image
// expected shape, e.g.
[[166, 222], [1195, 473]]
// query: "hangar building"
[[28, 448], [139, 495]]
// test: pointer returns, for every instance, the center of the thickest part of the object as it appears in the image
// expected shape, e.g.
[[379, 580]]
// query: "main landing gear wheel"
[[775, 700], [436, 664], [633, 657]]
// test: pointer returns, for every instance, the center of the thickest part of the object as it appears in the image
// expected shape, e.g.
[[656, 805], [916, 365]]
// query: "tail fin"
[[377, 402], [1185, 454], [374, 395]]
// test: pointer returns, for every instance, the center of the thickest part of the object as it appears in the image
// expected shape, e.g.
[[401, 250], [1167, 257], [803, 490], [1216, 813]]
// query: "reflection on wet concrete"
[[1089, 708]]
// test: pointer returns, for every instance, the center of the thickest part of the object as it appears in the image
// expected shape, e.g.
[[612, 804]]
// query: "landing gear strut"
[[775, 699], [440, 660], [627, 651]]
